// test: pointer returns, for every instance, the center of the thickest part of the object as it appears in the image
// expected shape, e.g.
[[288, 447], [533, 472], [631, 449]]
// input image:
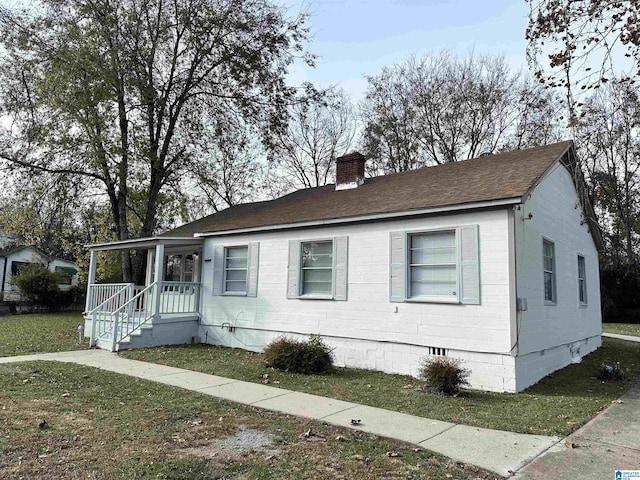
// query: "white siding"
[[57, 262], [366, 330], [565, 330], [30, 255]]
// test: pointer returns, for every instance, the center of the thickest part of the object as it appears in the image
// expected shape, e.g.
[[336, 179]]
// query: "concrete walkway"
[[494, 450], [609, 442], [630, 338]]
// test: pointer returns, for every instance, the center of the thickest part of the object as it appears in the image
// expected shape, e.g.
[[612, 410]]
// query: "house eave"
[[365, 218], [143, 243]]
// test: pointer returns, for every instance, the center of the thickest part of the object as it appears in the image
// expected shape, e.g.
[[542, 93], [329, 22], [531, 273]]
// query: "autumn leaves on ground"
[[68, 421]]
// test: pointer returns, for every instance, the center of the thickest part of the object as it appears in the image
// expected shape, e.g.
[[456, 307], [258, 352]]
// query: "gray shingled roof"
[[488, 178]]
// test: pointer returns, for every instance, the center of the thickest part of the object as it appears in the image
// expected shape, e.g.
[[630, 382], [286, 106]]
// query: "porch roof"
[[145, 243]]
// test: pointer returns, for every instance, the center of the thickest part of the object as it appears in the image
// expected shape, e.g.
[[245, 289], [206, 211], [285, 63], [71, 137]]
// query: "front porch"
[[163, 311]]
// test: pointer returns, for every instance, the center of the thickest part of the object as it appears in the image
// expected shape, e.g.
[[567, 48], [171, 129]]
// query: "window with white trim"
[[549, 265], [235, 269], [582, 281], [433, 265], [316, 268]]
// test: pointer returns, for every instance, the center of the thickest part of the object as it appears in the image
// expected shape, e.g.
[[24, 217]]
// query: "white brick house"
[[493, 261]]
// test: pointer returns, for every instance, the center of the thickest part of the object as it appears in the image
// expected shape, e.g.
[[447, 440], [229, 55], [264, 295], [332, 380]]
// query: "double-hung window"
[[549, 266], [582, 281], [433, 265], [317, 268], [235, 269]]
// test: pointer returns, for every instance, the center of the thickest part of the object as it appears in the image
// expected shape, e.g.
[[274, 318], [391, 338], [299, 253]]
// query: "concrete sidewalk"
[[609, 442], [629, 338], [494, 450]]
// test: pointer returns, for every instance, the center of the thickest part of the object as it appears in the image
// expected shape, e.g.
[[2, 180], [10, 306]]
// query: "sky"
[[359, 37]]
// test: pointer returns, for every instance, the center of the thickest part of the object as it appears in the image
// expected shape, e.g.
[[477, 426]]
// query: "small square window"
[[235, 269]]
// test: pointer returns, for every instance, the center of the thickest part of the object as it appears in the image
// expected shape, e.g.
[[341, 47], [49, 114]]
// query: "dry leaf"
[[617, 401], [43, 424], [570, 444], [355, 422], [65, 395], [341, 438], [408, 386], [393, 454], [563, 416]]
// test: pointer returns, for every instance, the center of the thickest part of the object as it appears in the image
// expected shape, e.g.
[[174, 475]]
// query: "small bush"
[[289, 355], [444, 375], [610, 372]]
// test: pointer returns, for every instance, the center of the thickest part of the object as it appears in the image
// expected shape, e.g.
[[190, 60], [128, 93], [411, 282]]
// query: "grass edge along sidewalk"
[[556, 406], [497, 451]]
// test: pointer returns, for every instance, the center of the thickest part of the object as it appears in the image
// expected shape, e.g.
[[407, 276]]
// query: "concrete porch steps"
[[168, 329]]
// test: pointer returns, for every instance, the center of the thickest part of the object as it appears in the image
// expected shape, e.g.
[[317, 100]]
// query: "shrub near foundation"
[[444, 375], [290, 355]]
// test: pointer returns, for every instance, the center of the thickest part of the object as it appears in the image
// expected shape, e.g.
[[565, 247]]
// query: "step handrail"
[[112, 297], [92, 338], [115, 316]]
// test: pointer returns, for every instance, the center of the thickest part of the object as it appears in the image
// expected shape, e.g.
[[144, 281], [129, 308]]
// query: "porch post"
[[159, 277], [91, 279], [149, 274]]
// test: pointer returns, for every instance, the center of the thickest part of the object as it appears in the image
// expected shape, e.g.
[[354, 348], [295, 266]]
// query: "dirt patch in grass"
[[102, 425]]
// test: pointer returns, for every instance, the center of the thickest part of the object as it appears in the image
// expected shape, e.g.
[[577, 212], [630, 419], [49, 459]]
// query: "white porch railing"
[[100, 293], [129, 307], [179, 297]]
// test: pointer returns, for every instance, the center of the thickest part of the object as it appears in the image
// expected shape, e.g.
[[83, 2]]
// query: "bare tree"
[[320, 130], [439, 109], [609, 141]]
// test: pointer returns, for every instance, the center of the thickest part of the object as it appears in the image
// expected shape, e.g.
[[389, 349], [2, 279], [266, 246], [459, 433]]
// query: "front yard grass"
[[622, 328], [102, 425], [557, 405], [40, 333]]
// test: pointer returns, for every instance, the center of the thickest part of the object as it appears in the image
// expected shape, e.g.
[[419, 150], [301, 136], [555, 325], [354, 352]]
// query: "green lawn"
[[557, 405], [40, 332], [102, 425], [622, 328]]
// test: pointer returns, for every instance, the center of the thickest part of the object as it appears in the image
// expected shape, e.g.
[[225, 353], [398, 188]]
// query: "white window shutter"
[[469, 265], [294, 269], [218, 270], [340, 261], [252, 269], [397, 267]]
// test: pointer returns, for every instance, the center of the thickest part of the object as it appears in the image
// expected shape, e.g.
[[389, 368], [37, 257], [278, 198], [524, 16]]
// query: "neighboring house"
[[493, 261], [13, 258]]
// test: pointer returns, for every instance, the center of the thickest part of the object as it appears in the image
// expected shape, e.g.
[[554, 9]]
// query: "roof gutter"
[[144, 242], [365, 218]]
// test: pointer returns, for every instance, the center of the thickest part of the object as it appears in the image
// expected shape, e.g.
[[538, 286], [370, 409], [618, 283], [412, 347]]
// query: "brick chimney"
[[349, 171]]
